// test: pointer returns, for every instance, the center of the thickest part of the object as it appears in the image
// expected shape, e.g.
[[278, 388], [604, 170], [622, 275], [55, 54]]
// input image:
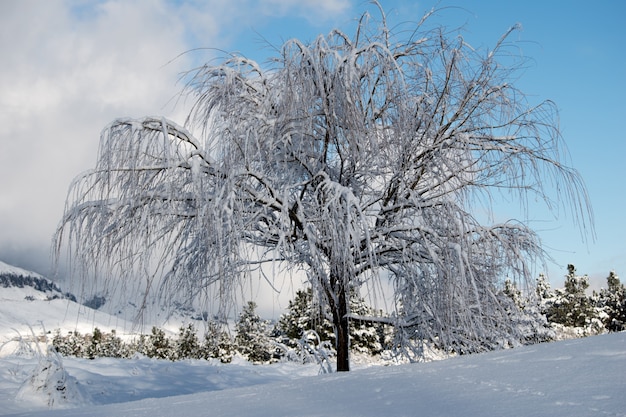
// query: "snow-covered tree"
[[252, 335], [355, 157], [157, 345], [217, 343], [188, 346], [526, 313], [571, 306], [612, 303], [305, 314]]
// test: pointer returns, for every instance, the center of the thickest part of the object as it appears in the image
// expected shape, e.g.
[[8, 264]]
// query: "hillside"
[[31, 303]]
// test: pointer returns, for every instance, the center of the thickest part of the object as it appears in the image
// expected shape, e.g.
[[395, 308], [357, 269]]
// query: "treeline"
[[302, 334], [585, 314], [44, 285], [305, 334]]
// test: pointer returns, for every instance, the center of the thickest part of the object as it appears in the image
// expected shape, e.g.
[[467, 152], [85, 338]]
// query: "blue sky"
[[70, 67]]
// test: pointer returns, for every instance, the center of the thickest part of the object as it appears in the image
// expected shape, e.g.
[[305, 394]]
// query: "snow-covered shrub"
[[526, 315], [51, 384], [570, 312], [158, 345], [571, 306], [73, 344], [303, 314], [91, 346]]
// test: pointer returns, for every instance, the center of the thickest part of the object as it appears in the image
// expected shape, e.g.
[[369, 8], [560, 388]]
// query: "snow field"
[[582, 377]]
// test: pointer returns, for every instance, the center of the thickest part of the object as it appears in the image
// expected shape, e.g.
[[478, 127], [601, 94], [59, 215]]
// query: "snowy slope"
[[31, 301], [583, 377]]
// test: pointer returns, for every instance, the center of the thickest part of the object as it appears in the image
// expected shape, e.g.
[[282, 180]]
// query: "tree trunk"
[[342, 332]]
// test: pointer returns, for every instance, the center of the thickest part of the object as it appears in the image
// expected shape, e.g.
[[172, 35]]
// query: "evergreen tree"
[[94, 349], [188, 346], [158, 345], [526, 312], [252, 339], [569, 310], [612, 303], [217, 343], [544, 292], [71, 345], [572, 307], [365, 336], [304, 314]]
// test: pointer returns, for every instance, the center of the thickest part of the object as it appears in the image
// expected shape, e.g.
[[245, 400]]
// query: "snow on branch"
[[356, 158]]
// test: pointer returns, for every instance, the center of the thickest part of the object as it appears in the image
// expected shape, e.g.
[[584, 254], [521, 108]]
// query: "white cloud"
[[64, 76]]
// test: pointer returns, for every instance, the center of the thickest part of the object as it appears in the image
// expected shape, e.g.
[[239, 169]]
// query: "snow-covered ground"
[[581, 377]]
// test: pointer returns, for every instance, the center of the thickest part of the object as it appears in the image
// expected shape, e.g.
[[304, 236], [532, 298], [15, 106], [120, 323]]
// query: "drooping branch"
[[356, 158]]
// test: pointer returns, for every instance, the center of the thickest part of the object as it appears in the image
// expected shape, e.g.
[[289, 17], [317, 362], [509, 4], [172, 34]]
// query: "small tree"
[[612, 303], [527, 314], [571, 306], [353, 157], [71, 345], [252, 338], [218, 343], [304, 314], [158, 345], [188, 346]]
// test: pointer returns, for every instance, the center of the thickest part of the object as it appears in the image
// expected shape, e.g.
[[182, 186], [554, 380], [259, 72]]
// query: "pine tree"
[[188, 346], [217, 343], [572, 307], [612, 303], [252, 339], [570, 311], [303, 315], [526, 312], [365, 337], [69, 345], [94, 349], [157, 345]]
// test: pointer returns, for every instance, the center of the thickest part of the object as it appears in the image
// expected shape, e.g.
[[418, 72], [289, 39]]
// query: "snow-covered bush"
[[525, 313], [570, 306], [51, 384], [569, 310], [303, 314], [91, 346]]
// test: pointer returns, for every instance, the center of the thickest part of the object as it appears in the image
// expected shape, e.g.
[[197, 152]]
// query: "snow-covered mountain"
[[17, 282], [33, 305]]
